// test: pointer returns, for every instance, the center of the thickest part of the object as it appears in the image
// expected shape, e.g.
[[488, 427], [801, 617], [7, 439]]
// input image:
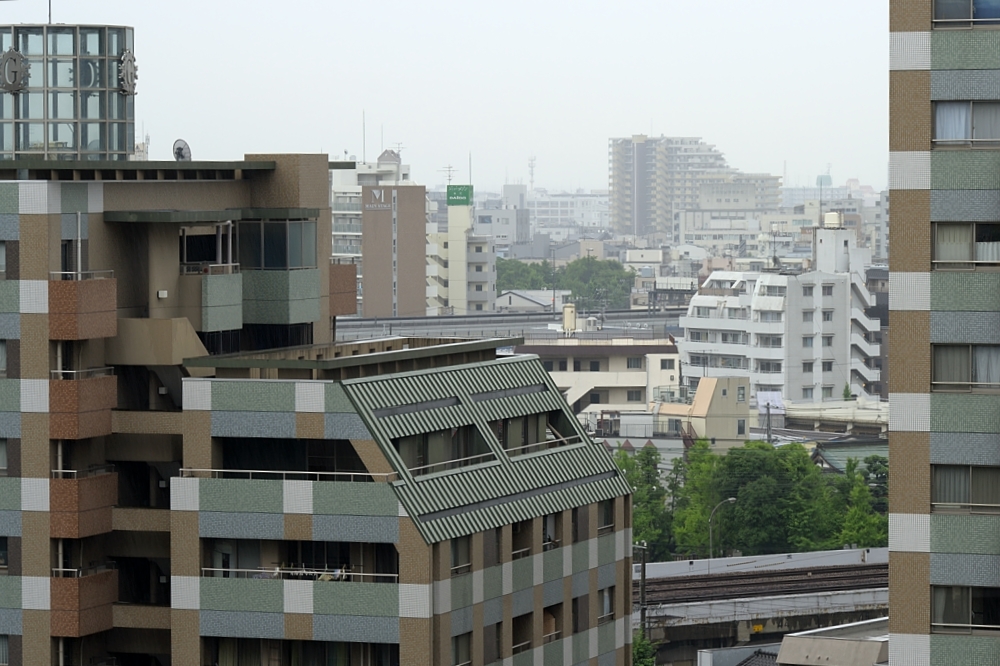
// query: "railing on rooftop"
[[76, 375], [288, 475], [208, 268], [76, 276]]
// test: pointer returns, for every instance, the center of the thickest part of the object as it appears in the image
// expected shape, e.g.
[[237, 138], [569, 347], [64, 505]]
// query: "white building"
[[461, 265], [803, 334], [588, 210], [506, 226]]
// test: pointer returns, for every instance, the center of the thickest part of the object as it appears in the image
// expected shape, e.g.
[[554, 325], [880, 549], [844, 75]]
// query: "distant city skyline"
[[508, 82]]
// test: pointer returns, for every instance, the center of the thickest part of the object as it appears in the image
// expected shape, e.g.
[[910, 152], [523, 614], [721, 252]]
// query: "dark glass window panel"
[[62, 41], [92, 41], [62, 73], [91, 73], [92, 105], [29, 41], [92, 137], [275, 245], [62, 136], [116, 41], [62, 106]]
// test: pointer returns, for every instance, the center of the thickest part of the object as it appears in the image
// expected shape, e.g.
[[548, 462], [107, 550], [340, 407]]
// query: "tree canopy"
[[594, 283], [784, 502]]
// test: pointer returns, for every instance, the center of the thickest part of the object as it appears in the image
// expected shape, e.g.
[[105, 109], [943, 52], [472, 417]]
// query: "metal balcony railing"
[[76, 375], [84, 572], [81, 275], [95, 470], [285, 475], [208, 268], [339, 574]]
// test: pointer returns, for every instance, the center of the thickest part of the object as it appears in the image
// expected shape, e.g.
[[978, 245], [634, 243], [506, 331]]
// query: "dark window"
[[595, 366]]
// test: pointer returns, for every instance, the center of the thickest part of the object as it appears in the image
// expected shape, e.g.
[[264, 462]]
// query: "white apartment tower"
[[803, 334], [461, 266]]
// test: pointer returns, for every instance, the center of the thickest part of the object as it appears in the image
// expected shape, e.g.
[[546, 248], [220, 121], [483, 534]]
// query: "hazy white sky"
[[769, 82]]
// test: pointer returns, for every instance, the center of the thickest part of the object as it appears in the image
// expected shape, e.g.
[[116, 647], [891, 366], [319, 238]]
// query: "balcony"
[[346, 228], [80, 403], [82, 600], [80, 502], [83, 306], [212, 296]]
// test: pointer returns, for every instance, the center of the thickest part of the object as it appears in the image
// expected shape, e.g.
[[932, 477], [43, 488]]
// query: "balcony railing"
[[543, 446], [347, 228], [521, 647], [280, 475], [95, 470], [207, 268], [520, 553], [456, 463], [339, 574], [347, 207], [84, 572], [552, 544], [76, 375], [551, 638], [81, 275]]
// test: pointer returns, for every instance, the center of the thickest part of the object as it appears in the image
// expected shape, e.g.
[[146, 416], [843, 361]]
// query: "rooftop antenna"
[[364, 138], [448, 170], [531, 173]]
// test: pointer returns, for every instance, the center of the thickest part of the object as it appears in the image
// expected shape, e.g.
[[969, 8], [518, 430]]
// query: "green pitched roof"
[[480, 497]]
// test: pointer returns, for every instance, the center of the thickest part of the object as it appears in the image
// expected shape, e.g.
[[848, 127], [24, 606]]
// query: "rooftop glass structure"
[[67, 92]]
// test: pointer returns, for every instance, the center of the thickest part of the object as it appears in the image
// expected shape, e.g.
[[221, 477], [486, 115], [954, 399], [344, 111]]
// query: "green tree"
[[643, 650], [876, 475], [597, 283], [696, 496], [847, 391], [862, 526], [514, 274], [651, 521]]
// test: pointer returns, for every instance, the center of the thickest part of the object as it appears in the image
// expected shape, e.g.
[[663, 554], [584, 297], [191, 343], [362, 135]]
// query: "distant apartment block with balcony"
[[461, 263], [601, 369], [803, 334]]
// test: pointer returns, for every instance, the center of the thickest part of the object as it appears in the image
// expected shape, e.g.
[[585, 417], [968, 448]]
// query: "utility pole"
[[770, 439], [642, 588]]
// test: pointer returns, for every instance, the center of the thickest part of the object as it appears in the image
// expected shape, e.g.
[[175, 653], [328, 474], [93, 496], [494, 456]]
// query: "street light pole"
[[728, 500]]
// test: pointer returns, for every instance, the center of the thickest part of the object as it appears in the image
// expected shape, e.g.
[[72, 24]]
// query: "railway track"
[[741, 585]]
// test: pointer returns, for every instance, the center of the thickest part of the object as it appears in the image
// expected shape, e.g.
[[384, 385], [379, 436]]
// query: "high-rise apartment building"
[[380, 221], [650, 177], [944, 185], [461, 265]]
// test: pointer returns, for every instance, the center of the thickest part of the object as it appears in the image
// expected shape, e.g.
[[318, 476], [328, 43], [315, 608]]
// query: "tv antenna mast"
[[448, 171], [531, 173]]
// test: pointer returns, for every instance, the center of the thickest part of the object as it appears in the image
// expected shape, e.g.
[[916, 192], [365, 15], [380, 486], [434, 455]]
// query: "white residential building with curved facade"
[[803, 334]]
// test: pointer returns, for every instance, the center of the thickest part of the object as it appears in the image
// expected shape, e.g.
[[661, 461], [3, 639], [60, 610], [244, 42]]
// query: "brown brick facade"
[[909, 469], [910, 231], [909, 112], [910, 367], [909, 610], [910, 15]]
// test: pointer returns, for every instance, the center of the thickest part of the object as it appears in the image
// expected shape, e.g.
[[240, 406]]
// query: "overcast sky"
[[770, 82]]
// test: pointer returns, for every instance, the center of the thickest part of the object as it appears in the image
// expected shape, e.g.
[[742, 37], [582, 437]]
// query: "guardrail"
[[543, 446], [343, 574], [96, 470], [84, 572], [76, 375], [521, 647], [206, 268], [451, 464], [520, 553], [283, 475], [76, 276]]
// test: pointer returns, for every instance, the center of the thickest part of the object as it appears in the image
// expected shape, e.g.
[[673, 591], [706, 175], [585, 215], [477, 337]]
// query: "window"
[[666, 364], [492, 643], [828, 290], [827, 340], [966, 246], [807, 341], [965, 367], [772, 341], [807, 316], [741, 393], [3, 561], [807, 393], [479, 287], [774, 290], [827, 315], [581, 608], [547, 365], [699, 361], [277, 244], [700, 311], [479, 306], [605, 516], [634, 396], [634, 363], [595, 366], [733, 338], [807, 291], [956, 608], [963, 13], [965, 488], [595, 398], [827, 392], [769, 366], [4, 650], [461, 557], [696, 336], [3, 258], [827, 366], [576, 366], [966, 122], [491, 547], [3, 457], [770, 316], [606, 605], [461, 649], [479, 268], [562, 366], [741, 426], [807, 367], [479, 248]]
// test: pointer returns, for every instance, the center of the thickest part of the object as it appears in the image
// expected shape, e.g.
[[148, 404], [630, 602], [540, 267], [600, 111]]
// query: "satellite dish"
[[182, 151]]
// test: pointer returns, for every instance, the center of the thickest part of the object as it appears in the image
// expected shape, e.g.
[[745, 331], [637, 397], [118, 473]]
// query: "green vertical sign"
[[460, 195]]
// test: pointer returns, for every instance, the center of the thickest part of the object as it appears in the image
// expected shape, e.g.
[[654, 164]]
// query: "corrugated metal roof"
[[473, 499]]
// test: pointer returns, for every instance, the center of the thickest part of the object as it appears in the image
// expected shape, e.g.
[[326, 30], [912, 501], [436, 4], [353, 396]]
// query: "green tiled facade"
[[249, 396], [964, 412], [241, 496], [975, 534], [222, 302], [242, 594], [965, 49], [281, 297], [356, 599]]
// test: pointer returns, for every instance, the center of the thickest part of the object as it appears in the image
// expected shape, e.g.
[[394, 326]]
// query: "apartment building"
[[461, 265], [176, 490], [605, 369], [805, 335], [191, 472], [380, 214], [943, 186], [568, 209]]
